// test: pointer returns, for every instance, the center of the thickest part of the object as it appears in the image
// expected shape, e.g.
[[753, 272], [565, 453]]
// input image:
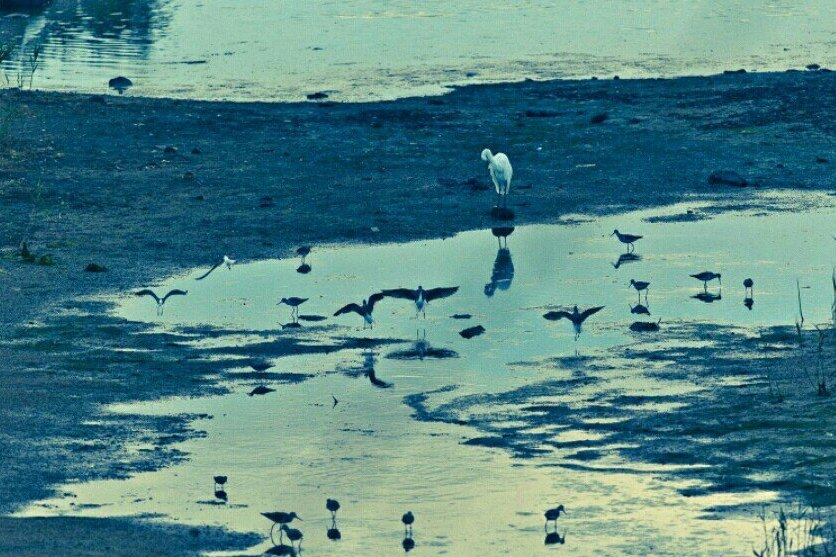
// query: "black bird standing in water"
[[706, 276], [553, 514], [332, 505], [408, 520], [628, 239], [640, 286]]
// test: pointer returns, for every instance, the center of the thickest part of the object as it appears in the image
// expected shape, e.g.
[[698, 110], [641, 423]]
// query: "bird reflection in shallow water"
[[422, 349], [708, 297], [626, 258], [408, 543], [503, 266], [640, 309], [554, 538], [280, 550], [369, 361]]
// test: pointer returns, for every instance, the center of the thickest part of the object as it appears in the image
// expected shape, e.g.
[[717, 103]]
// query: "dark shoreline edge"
[[106, 183]]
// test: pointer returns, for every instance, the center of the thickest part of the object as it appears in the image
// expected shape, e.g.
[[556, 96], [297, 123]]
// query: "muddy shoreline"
[[150, 187]]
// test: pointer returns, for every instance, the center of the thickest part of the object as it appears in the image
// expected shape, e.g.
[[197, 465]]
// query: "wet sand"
[[88, 179]]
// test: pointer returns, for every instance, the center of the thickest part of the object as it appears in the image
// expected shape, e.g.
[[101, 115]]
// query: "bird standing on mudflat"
[[640, 286], [421, 297], [748, 284], [408, 520], [576, 317], [279, 517], [332, 505], [553, 514], [706, 276], [627, 239], [293, 302], [501, 172], [364, 310]]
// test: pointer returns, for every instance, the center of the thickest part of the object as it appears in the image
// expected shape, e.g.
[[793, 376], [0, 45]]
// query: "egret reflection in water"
[[502, 274]]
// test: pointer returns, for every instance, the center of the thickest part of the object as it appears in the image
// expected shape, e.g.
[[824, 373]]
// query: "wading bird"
[[627, 239], [706, 276], [748, 284], [576, 317], [293, 535], [225, 261], [161, 301], [364, 310], [332, 505], [640, 286], [279, 517], [553, 514], [501, 172], [294, 304], [408, 520], [220, 480], [421, 297]]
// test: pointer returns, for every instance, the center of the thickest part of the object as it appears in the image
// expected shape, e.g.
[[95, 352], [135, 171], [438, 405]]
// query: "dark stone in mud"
[[733, 72], [813, 67], [196, 151], [436, 102], [541, 114], [312, 318], [727, 178], [170, 149], [502, 213], [120, 83], [644, 327], [99, 99], [822, 160], [599, 118], [317, 96], [461, 316], [471, 332], [261, 390], [95, 268]]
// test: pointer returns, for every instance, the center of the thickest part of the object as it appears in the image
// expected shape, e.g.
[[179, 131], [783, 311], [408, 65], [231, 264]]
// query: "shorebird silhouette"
[[293, 535], [499, 167], [220, 480], [749, 284], [627, 239], [640, 286], [553, 514], [332, 505], [293, 302], [576, 317], [421, 297], [225, 261], [408, 520], [261, 390], [161, 301], [364, 310], [303, 252], [279, 517], [706, 276], [408, 544]]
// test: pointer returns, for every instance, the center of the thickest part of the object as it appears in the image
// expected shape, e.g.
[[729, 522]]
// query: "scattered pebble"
[[727, 178], [599, 118], [95, 268], [317, 96], [471, 332]]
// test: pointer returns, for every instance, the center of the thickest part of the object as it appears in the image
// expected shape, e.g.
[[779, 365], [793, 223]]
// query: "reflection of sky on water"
[[368, 49], [291, 449]]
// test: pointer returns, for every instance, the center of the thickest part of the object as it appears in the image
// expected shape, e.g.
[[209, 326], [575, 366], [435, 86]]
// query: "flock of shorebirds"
[[501, 172]]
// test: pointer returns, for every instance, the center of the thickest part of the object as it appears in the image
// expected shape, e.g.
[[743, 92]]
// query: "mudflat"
[[144, 188]]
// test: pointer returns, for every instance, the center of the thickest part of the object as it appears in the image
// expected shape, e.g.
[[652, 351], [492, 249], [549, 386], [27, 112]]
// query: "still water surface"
[[373, 49], [291, 449]]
